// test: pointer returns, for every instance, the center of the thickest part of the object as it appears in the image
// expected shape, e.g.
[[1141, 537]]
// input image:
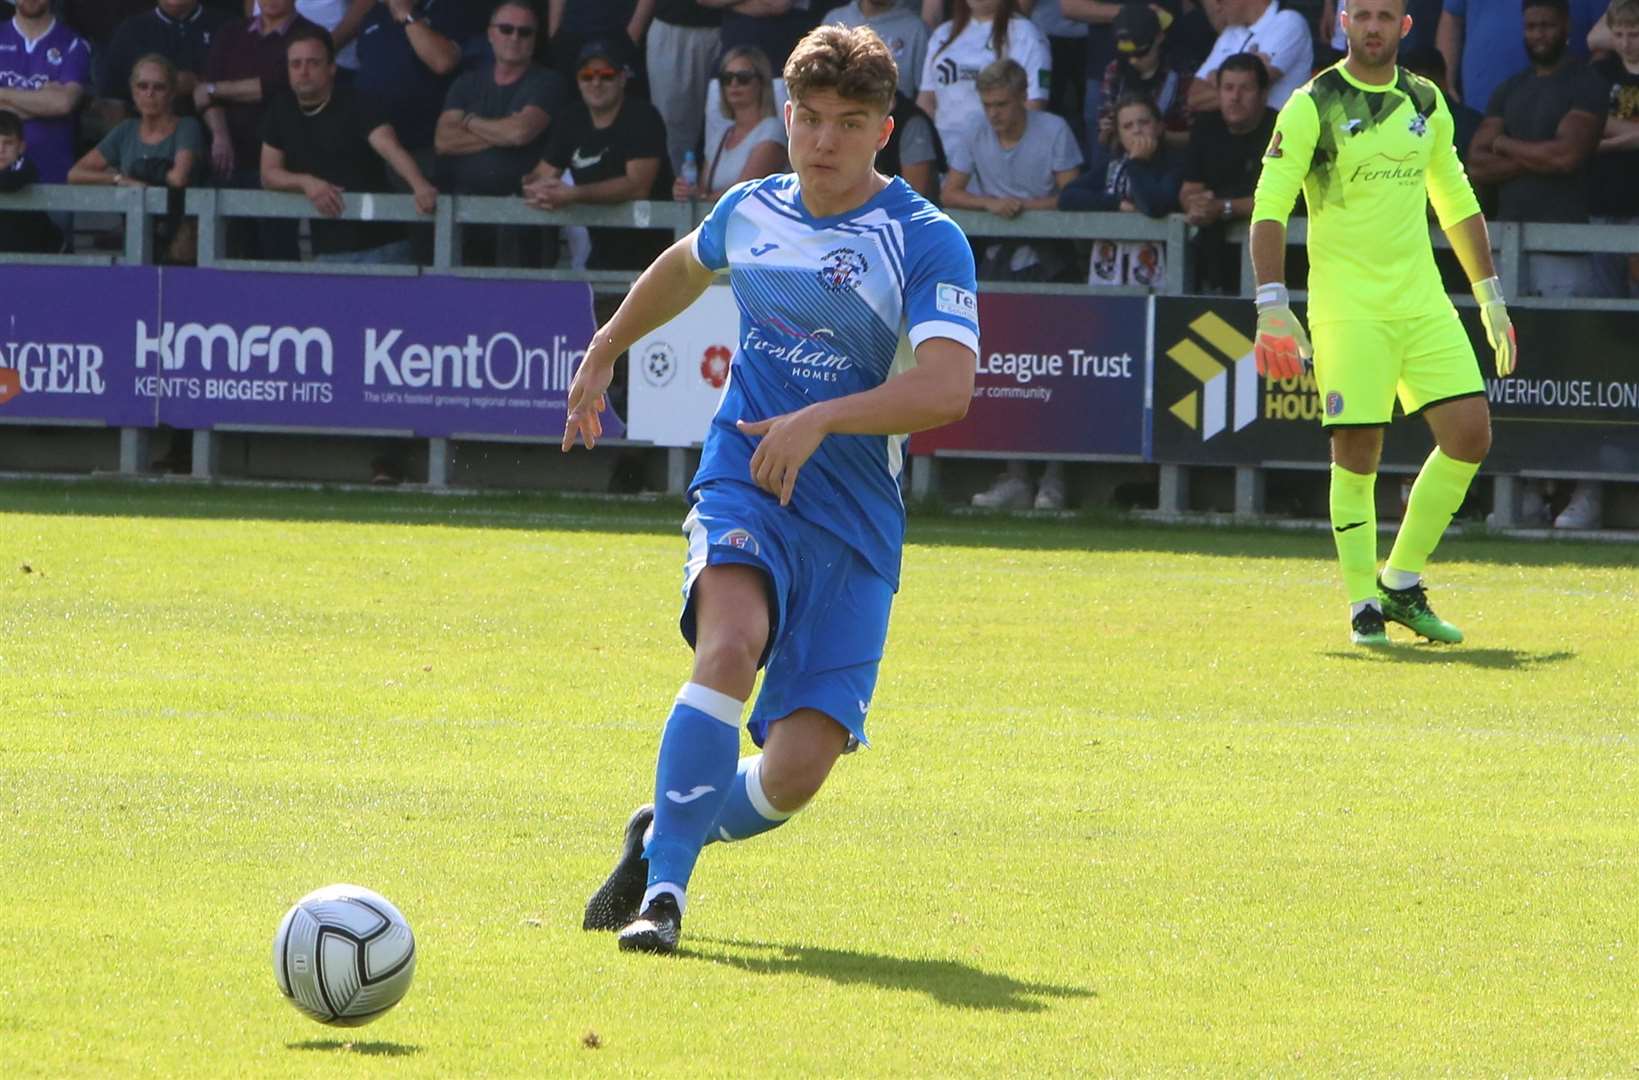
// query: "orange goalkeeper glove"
[[1281, 346]]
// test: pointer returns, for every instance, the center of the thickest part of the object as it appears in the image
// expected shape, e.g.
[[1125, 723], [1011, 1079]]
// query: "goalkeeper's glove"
[[1498, 330], [1281, 346]]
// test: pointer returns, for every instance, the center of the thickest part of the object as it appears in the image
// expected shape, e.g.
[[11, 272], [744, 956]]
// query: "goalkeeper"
[[1370, 145]]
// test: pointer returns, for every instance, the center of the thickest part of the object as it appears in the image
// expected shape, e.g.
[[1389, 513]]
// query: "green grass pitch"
[[1135, 806]]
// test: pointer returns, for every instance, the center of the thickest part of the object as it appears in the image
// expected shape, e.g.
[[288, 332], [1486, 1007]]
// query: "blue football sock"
[[692, 780], [747, 811]]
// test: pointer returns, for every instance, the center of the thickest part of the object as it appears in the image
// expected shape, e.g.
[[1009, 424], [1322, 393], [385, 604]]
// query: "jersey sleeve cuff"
[[701, 259], [962, 335]]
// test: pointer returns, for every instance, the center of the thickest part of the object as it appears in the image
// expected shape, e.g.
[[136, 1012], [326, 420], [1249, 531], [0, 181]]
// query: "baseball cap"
[[1136, 27], [600, 49]]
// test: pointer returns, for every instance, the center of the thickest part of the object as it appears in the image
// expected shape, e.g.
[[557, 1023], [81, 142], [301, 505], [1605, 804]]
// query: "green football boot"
[[1409, 608], [1366, 628]]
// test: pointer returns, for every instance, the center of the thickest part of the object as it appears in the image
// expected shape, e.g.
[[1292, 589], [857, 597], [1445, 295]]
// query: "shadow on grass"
[[368, 1049], [948, 982], [1093, 530], [1501, 659]]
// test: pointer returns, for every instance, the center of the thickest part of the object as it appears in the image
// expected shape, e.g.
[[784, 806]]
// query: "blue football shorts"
[[828, 610]]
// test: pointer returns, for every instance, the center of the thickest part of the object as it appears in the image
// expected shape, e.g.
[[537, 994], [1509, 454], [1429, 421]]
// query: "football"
[[343, 955]]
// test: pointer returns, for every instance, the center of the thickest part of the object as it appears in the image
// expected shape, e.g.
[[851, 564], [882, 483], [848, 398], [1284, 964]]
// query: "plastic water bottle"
[[691, 170]]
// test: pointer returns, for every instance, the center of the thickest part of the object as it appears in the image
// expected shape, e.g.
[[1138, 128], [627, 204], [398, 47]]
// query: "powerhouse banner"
[[1056, 375], [432, 356], [1572, 404]]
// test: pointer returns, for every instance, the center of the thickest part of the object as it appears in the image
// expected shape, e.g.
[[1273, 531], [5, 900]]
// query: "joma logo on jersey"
[[843, 269]]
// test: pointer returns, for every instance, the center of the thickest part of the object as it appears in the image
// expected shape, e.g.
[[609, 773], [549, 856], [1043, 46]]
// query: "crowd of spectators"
[[1155, 107], [1005, 106]]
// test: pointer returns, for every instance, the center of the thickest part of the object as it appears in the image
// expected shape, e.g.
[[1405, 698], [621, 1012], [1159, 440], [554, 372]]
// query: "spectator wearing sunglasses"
[[754, 145], [571, 24], [494, 124], [611, 150]]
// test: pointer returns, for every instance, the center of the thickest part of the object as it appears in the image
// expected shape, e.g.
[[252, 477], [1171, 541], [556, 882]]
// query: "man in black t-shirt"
[[612, 150], [1221, 166], [328, 143], [1537, 141]]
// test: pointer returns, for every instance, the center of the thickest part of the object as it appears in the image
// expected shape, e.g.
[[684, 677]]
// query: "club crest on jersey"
[[843, 269], [1334, 404], [1418, 125], [742, 540], [54, 56]]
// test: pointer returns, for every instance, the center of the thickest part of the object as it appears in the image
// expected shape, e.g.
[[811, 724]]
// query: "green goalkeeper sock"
[[1435, 499], [1354, 527]]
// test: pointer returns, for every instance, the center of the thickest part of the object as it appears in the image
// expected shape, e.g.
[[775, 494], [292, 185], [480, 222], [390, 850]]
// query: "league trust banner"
[[1572, 405], [678, 372], [1055, 375], [66, 353], [434, 356]]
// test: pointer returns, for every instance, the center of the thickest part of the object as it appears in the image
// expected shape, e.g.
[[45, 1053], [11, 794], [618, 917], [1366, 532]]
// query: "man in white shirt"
[[1281, 39]]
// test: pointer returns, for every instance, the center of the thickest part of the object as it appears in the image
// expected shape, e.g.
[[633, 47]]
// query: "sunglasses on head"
[[510, 29], [741, 78], [598, 75]]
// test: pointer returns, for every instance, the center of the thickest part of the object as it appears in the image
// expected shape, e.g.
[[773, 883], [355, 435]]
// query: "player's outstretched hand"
[[1499, 329], [586, 396], [787, 442], [1281, 346]]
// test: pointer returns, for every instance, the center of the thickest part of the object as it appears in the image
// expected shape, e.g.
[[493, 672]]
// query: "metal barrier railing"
[[1511, 241]]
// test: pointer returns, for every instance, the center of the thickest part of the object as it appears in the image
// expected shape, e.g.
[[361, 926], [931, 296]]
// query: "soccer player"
[[1370, 145], [858, 323]]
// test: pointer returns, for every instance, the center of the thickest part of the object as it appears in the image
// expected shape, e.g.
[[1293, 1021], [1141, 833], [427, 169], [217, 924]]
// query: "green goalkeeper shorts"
[[1361, 366]]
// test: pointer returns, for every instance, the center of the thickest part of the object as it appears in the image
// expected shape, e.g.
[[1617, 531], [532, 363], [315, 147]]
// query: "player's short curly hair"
[[853, 61]]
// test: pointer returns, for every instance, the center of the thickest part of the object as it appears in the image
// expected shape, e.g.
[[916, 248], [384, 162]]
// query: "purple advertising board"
[[428, 356], [66, 353], [1055, 375]]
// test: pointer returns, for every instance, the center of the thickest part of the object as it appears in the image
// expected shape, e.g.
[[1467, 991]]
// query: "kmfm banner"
[[678, 372], [1055, 375], [433, 356]]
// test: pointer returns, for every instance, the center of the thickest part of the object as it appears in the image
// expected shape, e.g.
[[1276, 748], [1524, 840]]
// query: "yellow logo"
[[1219, 357]]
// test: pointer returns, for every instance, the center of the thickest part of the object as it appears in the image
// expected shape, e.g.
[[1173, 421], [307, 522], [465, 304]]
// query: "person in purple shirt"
[[44, 70]]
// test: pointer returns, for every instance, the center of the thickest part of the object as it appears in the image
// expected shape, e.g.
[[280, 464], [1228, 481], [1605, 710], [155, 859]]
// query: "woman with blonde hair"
[[754, 144], [154, 147]]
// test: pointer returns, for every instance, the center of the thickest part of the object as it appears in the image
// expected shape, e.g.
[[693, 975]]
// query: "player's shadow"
[[1497, 659], [368, 1049], [948, 982]]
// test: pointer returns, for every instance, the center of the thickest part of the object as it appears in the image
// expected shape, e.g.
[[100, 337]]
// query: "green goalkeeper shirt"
[[1369, 160]]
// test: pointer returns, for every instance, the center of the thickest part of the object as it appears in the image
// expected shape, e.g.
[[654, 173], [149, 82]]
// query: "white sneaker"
[[1007, 493], [1050, 496], [1582, 512]]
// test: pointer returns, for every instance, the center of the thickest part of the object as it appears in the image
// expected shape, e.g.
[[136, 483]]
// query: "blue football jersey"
[[829, 307]]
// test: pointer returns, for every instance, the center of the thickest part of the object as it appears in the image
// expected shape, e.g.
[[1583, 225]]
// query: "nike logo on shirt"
[[578, 160], [1350, 525]]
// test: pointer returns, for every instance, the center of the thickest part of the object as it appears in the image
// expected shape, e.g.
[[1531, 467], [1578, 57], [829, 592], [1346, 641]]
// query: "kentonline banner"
[[431, 356]]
